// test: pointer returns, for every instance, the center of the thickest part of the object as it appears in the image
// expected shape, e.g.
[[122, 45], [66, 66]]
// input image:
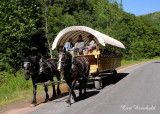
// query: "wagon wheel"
[[114, 74], [98, 83]]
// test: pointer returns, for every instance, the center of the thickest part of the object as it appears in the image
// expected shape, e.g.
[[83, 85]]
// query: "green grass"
[[13, 89], [125, 63]]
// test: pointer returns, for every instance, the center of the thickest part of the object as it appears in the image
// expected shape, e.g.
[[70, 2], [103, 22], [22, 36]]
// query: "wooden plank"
[[108, 63], [93, 66], [94, 52], [51, 83], [93, 71]]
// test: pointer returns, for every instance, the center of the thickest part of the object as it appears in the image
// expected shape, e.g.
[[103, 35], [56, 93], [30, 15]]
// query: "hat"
[[70, 39], [80, 36], [90, 36]]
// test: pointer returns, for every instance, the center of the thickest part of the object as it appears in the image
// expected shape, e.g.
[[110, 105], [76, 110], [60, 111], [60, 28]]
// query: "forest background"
[[29, 28]]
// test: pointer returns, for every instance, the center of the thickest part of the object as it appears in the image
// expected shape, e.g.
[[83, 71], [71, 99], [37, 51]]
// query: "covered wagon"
[[102, 59]]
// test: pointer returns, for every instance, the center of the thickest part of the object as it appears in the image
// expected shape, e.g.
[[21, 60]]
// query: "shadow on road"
[[110, 79], [107, 80], [41, 101], [78, 98], [89, 94]]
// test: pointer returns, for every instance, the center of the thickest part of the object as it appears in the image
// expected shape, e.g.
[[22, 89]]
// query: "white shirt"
[[79, 44]]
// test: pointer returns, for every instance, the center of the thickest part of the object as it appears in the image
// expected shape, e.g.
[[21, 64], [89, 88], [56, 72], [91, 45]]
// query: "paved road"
[[136, 91]]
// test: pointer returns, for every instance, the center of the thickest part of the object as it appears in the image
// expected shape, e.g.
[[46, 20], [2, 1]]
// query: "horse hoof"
[[68, 104], [46, 101], [58, 93], [33, 105], [73, 100], [54, 96]]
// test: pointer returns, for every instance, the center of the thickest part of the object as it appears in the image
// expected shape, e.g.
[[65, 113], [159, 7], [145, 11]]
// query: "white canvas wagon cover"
[[74, 31]]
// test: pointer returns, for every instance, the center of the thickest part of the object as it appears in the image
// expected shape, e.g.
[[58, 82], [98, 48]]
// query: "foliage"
[[20, 33], [23, 27], [151, 18]]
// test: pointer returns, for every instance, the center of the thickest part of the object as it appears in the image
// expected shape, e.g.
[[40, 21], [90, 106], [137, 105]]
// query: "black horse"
[[32, 67], [48, 69], [74, 69]]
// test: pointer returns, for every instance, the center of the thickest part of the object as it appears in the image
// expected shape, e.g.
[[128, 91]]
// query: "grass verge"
[[125, 63], [13, 89]]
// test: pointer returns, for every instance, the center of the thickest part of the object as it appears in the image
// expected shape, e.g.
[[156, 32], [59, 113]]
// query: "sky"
[[141, 7]]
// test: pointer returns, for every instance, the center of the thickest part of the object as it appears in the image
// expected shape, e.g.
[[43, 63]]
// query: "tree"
[[19, 32]]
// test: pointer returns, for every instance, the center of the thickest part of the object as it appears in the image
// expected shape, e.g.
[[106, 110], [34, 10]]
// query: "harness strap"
[[50, 66], [83, 67]]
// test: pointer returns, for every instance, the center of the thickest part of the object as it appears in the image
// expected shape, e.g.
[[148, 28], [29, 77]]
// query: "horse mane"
[[34, 60], [52, 62]]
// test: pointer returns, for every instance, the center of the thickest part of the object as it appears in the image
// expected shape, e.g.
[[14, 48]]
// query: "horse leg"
[[85, 85], [54, 91], [80, 87], [71, 92], [69, 84], [34, 101], [46, 91], [58, 89]]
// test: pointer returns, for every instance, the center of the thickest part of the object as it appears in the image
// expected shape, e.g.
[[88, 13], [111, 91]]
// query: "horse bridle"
[[62, 62], [31, 66], [26, 70]]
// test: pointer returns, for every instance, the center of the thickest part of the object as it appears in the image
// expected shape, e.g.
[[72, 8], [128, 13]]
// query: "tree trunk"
[[46, 31], [132, 56]]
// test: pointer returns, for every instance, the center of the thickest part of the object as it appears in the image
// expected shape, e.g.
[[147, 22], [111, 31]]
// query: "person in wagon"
[[79, 45], [92, 44], [68, 45]]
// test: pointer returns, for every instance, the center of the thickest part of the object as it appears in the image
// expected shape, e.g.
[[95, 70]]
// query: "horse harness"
[[31, 65], [82, 64]]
